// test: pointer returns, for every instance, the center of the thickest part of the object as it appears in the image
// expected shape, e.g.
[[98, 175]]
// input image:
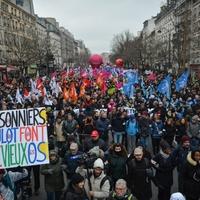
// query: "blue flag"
[[132, 77], [182, 81], [165, 87]]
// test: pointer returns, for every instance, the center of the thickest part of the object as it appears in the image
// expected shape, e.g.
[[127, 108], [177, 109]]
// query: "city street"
[[111, 86]]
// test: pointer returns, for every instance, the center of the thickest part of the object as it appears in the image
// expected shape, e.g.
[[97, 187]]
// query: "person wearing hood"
[[177, 196], [76, 189], [121, 192], [164, 165], [191, 176], [53, 177]]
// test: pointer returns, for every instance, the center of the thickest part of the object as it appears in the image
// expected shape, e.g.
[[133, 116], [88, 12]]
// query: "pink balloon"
[[119, 62], [95, 60]]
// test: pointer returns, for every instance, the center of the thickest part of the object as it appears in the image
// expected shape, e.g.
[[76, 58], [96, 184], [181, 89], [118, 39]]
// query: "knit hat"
[[94, 133], [185, 138], [98, 163], [177, 196], [77, 178]]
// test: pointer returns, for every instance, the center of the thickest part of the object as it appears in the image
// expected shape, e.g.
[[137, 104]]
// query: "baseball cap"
[[94, 133]]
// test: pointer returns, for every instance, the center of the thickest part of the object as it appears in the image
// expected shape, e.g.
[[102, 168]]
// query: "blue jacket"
[[131, 127]]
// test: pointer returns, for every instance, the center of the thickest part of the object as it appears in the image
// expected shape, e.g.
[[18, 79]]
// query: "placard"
[[23, 137]]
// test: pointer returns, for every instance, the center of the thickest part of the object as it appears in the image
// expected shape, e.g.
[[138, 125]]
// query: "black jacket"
[[118, 124], [191, 178], [164, 172], [138, 180]]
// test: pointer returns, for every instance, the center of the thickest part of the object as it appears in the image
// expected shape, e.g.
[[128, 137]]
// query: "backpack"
[[104, 179]]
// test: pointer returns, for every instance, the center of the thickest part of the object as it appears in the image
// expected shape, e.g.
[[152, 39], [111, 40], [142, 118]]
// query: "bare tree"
[[21, 50], [127, 47]]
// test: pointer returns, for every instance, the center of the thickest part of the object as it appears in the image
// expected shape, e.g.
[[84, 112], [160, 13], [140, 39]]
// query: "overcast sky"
[[97, 21]]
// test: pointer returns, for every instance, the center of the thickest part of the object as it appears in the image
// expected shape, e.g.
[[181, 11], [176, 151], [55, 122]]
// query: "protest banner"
[[23, 137]]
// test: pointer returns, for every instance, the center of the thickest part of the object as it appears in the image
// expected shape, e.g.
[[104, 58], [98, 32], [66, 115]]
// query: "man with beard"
[[100, 184], [180, 155]]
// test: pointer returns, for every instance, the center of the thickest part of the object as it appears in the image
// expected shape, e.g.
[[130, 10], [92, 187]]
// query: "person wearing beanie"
[[164, 165], [139, 174], [76, 189], [7, 183], [177, 196], [100, 184], [53, 176], [191, 175], [179, 155]]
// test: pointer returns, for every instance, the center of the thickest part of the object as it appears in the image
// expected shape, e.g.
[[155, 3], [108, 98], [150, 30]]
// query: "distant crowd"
[[105, 144]]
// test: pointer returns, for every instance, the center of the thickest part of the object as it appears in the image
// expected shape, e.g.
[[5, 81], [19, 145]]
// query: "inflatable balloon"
[[95, 60], [119, 62]]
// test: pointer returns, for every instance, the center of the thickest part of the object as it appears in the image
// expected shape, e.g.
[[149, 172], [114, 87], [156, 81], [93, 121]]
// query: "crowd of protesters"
[[107, 145]]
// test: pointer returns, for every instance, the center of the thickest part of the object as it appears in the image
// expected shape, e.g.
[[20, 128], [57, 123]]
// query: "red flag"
[[40, 87], [73, 93], [39, 83], [103, 88], [65, 94], [100, 80], [26, 93], [86, 82], [82, 91], [63, 75]]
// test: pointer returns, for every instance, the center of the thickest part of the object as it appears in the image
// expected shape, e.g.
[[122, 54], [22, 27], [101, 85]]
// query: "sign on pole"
[[23, 137]]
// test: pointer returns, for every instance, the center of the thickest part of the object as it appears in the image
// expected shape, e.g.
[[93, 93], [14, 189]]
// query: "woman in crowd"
[[191, 176], [117, 157]]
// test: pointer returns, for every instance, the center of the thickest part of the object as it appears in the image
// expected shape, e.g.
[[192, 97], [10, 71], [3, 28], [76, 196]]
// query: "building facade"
[[16, 28], [67, 46], [164, 31]]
